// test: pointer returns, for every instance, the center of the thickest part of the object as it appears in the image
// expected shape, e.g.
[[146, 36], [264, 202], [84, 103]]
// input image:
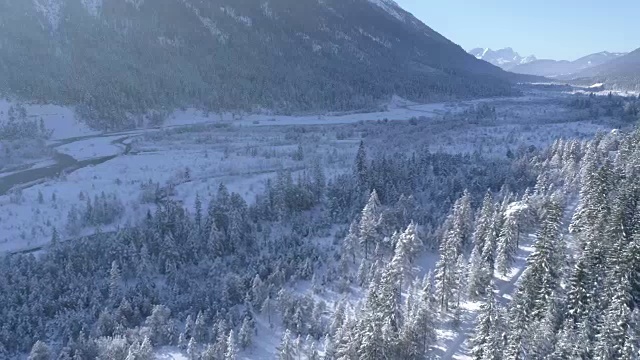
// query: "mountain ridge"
[[621, 73], [116, 61], [510, 60]]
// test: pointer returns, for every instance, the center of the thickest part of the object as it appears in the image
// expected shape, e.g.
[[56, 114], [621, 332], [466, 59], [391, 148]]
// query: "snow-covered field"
[[196, 152]]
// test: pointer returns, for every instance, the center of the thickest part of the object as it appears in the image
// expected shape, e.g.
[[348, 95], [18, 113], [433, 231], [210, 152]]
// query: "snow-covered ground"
[[195, 152], [94, 147], [61, 119]]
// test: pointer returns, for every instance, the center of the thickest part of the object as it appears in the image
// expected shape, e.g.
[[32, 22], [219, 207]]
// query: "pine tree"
[[475, 280], [369, 220], [541, 278], [538, 288], [507, 244], [312, 353], [351, 241], [411, 241], [40, 351], [461, 280], [232, 347], [55, 238], [199, 328], [486, 341], [361, 172], [192, 349], [146, 350], [246, 334], [371, 347], [484, 230], [114, 281], [579, 292], [444, 282], [615, 332], [418, 333], [401, 263], [286, 350]]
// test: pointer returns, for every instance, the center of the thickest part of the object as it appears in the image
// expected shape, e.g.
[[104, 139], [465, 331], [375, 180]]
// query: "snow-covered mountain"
[[510, 60], [621, 73], [555, 68], [122, 57], [505, 58]]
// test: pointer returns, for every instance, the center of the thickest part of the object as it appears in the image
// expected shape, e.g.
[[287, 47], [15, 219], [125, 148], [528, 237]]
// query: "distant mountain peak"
[[505, 58]]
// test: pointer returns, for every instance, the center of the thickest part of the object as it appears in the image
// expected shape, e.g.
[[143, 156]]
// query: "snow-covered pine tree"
[[232, 347], [539, 284], [245, 336], [40, 351], [418, 335], [286, 350], [484, 230], [487, 338], [507, 244], [361, 173], [615, 333], [368, 227], [351, 241], [114, 281]]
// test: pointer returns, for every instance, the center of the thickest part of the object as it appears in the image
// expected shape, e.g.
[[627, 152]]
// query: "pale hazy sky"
[[554, 29]]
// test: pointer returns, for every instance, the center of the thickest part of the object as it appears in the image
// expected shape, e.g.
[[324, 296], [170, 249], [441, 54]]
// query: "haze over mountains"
[[510, 60], [116, 60]]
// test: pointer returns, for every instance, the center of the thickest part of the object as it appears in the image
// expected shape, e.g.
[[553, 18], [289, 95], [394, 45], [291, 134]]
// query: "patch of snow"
[[51, 10], [208, 23], [266, 10], [245, 20], [165, 41], [397, 102], [170, 353], [390, 6], [93, 148], [94, 7], [515, 208], [61, 120], [382, 42], [136, 3]]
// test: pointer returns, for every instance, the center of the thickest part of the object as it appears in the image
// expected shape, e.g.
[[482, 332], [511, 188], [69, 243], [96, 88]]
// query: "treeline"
[[625, 109], [15, 125]]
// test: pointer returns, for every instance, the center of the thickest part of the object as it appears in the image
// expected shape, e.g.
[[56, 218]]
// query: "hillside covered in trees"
[[117, 60]]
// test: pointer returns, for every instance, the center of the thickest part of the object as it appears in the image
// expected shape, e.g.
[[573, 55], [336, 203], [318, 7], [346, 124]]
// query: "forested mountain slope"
[[122, 57], [622, 73]]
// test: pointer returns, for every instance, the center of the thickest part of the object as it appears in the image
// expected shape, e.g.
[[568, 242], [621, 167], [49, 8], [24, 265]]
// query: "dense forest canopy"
[[201, 280]]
